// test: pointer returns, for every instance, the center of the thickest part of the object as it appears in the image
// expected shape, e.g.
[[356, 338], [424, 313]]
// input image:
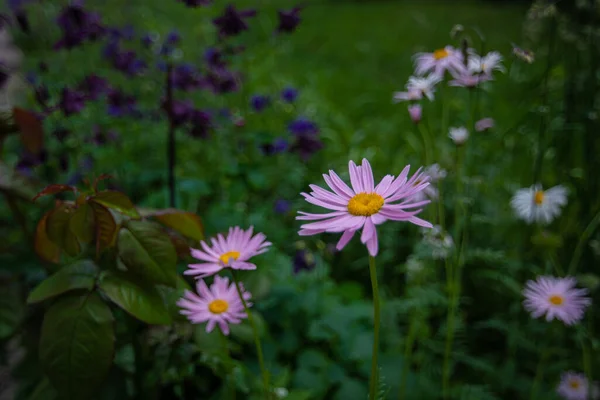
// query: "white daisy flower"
[[537, 205], [492, 61], [438, 62], [425, 86], [459, 135], [575, 386]]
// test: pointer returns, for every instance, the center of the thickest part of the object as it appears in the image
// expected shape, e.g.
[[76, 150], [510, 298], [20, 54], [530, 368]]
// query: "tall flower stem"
[[170, 136], [376, 318], [539, 373], [583, 239], [225, 344], [261, 360]]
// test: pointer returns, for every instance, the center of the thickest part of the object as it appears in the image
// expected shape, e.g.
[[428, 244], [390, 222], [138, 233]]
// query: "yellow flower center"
[[440, 53], [365, 204], [556, 300], [574, 384], [538, 197], [229, 255], [218, 306]]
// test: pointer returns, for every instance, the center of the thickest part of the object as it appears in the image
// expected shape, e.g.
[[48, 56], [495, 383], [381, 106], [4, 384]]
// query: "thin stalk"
[[587, 365], [408, 349], [539, 373], [587, 233], [261, 360], [171, 137], [225, 344], [426, 143], [376, 317]]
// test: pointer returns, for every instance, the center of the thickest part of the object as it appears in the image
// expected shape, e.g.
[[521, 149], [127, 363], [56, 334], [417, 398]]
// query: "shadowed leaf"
[[77, 344], [44, 247], [184, 222], [116, 201], [106, 227], [138, 298], [80, 275], [59, 231], [145, 249], [82, 223]]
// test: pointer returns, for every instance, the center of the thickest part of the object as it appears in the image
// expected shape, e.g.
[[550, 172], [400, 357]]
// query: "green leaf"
[[77, 344], [139, 299], [244, 331], [59, 232], [184, 222], [81, 223], [117, 201], [145, 249], [171, 295], [80, 275]]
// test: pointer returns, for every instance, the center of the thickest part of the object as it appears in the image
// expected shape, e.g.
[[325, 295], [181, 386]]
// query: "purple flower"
[[180, 112], [289, 94], [303, 261], [232, 22], [77, 26], [93, 86], [282, 206], [195, 3], [289, 20], [185, 77], [221, 80], [306, 145], [128, 63], [259, 102], [147, 40], [201, 124], [172, 38], [120, 104], [214, 58], [556, 298], [303, 126], [279, 145], [29, 160], [71, 102], [484, 124]]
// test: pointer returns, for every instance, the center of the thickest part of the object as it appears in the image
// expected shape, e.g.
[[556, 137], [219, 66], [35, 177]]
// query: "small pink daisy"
[[484, 124], [364, 205], [220, 304], [556, 298], [441, 60], [415, 111], [232, 251], [575, 386]]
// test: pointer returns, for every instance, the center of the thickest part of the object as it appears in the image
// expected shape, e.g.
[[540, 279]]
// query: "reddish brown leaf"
[[43, 246], [53, 189], [31, 129], [181, 246], [106, 226]]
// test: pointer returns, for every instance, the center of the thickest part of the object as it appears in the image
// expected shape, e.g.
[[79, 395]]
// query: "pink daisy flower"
[[218, 305], [415, 111], [468, 80], [364, 205], [484, 124], [232, 251], [441, 60], [556, 298], [575, 386]]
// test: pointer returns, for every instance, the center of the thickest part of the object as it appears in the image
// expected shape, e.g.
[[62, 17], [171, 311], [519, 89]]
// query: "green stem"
[[587, 362], [376, 316], [589, 230], [539, 373], [426, 143], [408, 349], [261, 360], [225, 344]]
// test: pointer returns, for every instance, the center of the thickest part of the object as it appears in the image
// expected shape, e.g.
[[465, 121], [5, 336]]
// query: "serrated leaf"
[[82, 223], [138, 298], [44, 247], [79, 275], [117, 201], [77, 344], [31, 129], [106, 227], [59, 232], [146, 250], [53, 189]]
